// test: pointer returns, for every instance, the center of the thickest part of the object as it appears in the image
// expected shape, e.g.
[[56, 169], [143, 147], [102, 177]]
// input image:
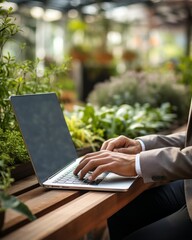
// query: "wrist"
[[141, 145], [133, 167]]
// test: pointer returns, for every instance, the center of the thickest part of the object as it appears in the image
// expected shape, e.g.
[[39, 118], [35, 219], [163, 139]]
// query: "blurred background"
[[103, 38], [120, 51]]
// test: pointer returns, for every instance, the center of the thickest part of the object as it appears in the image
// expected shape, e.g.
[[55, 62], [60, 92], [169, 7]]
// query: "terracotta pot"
[[129, 56], [81, 56], [103, 57]]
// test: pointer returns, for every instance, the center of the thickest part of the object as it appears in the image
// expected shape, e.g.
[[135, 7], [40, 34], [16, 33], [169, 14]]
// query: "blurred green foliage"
[[184, 70], [152, 87]]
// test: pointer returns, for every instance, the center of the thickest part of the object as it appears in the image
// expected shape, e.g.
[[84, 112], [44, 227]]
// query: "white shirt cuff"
[[137, 165], [142, 144]]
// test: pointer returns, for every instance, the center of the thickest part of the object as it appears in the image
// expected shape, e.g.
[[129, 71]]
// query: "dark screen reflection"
[[45, 132]]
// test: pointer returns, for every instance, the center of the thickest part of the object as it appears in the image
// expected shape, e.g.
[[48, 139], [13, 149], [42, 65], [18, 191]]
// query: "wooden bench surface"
[[62, 214]]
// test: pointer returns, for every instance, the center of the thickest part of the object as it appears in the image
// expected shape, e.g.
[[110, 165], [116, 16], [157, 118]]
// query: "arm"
[[112, 158], [159, 141], [166, 164], [133, 146], [165, 158]]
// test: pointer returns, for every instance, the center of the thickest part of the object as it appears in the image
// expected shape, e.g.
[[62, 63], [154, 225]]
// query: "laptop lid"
[[45, 133]]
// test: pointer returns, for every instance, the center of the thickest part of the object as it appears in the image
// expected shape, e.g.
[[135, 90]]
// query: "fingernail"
[[90, 178]]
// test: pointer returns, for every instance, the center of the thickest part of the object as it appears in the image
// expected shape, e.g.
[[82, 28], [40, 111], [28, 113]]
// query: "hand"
[[122, 144], [106, 161]]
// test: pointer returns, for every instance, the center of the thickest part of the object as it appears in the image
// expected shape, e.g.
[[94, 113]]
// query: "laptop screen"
[[45, 132]]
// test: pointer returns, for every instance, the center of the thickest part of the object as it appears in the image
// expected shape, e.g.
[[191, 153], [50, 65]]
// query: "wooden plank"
[[23, 185], [40, 201], [76, 218]]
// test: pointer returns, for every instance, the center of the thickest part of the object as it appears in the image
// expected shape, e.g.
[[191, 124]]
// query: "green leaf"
[[9, 201]]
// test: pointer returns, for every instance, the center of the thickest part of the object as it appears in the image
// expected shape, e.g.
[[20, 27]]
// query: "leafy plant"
[[5, 173], [20, 77], [82, 135], [132, 121], [12, 148], [9, 83], [17, 77]]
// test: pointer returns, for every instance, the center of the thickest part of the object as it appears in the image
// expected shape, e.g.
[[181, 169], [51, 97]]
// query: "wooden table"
[[63, 214]]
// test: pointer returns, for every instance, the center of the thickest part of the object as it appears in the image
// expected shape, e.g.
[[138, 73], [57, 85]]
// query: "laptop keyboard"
[[69, 178]]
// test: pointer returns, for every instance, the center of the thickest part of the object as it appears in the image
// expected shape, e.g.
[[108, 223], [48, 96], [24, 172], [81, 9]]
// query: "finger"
[[88, 157], [110, 145], [80, 166], [92, 154], [92, 165], [106, 143], [118, 142], [99, 170]]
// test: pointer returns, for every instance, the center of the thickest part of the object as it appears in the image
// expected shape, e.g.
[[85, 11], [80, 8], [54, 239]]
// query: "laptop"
[[50, 146]]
